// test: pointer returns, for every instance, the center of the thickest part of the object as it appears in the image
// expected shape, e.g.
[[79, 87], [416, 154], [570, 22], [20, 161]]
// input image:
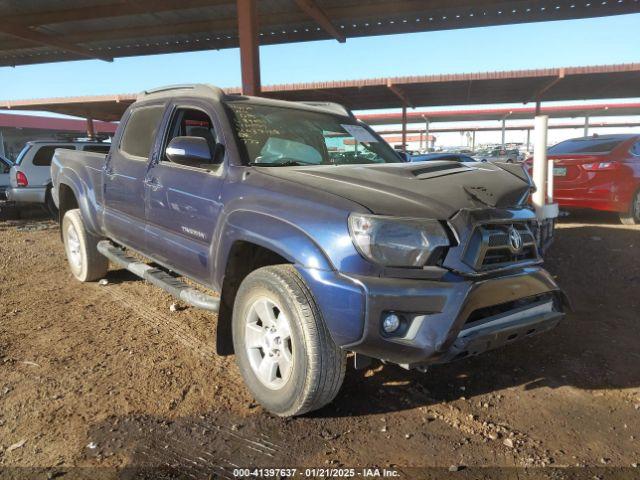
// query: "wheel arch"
[[71, 193], [243, 258]]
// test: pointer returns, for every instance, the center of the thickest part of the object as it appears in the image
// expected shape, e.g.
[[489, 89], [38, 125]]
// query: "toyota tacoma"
[[319, 239]]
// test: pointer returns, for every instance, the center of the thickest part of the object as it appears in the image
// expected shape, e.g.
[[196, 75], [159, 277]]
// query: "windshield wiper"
[[288, 163]]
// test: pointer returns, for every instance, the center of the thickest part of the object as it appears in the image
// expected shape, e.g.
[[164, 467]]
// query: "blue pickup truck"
[[319, 239]]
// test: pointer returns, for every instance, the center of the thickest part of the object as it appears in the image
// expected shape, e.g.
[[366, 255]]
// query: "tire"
[[86, 263], [50, 205], [309, 367], [632, 216]]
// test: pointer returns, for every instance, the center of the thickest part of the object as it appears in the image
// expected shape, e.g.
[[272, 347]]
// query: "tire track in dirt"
[[155, 318]]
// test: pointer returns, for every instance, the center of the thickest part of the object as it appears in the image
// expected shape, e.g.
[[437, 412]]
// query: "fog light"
[[391, 323]]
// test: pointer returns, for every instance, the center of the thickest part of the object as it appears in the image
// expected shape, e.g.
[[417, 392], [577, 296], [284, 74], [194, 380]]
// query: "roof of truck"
[[209, 91]]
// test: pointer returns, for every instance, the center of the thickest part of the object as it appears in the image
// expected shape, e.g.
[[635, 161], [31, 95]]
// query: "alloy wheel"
[[268, 343]]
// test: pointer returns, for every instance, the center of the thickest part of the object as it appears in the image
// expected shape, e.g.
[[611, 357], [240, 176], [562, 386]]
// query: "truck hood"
[[436, 189]]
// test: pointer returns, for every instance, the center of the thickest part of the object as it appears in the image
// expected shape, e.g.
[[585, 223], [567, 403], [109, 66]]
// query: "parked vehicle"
[[315, 253], [599, 173], [30, 177], [454, 157], [499, 155], [5, 168]]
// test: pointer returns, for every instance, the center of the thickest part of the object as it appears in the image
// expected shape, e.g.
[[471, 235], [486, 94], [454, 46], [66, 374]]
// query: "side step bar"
[[159, 278]]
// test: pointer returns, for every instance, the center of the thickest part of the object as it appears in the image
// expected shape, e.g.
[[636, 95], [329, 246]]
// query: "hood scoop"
[[439, 169]]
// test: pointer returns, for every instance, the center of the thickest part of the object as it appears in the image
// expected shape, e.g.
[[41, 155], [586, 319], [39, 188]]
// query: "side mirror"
[[189, 151]]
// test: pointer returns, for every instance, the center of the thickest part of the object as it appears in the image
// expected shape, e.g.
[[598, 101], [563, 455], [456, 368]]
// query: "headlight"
[[397, 242]]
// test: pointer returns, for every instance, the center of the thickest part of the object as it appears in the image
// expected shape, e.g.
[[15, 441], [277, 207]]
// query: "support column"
[[586, 126], [426, 133], [540, 165], [91, 132], [504, 130], [473, 141], [421, 141], [249, 46], [404, 128], [528, 140], [549, 182]]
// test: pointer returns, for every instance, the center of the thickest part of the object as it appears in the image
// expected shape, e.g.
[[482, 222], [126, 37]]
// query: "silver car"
[[499, 155]]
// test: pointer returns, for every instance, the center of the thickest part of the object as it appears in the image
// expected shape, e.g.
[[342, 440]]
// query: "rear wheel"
[[86, 263], [632, 217], [285, 353]]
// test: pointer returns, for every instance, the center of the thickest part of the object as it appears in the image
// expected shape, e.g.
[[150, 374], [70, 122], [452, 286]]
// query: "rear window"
[[140, 131], [22, 153], [586, 145], [43, 156]]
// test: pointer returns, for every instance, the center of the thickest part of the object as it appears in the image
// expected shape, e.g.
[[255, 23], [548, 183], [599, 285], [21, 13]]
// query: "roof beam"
[[32, 36], [224, 24], [398, 92], [319, 15], [537, 97], [119, 8]]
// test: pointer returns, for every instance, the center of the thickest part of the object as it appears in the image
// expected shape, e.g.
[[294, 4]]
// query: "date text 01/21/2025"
[[315, 472]]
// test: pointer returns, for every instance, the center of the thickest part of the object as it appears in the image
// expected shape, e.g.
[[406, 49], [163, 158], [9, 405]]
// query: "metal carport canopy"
[[557, 84], [517, 113], [37, 31]]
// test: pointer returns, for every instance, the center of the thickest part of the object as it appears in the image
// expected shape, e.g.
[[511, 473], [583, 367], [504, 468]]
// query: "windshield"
[[586, 145], [280, 136]]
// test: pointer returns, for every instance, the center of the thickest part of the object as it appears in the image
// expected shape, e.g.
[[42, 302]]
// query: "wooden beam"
[[249, 46], [32, 36], [320, 16]]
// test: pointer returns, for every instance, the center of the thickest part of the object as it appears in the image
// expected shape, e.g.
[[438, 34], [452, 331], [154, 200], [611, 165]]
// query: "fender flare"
[[274, 233], [81, 192]]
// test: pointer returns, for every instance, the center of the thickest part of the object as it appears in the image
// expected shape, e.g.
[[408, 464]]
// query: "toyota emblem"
[[515, 240]]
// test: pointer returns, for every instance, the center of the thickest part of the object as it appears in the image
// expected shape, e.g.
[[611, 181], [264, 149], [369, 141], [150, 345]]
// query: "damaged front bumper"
[[441, 320]]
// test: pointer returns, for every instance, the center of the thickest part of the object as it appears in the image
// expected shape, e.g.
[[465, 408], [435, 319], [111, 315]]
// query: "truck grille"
[[493, 246]]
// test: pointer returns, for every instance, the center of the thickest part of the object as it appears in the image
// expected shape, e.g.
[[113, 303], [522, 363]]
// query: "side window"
[[190, 122], [140, 131], [635, 150], [43, 156], [97, 148]]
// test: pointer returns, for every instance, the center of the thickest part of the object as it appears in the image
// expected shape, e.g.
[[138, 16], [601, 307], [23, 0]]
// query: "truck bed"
[[79, 166]]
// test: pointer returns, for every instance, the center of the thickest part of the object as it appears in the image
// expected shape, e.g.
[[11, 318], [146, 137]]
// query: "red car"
[[599, 173]]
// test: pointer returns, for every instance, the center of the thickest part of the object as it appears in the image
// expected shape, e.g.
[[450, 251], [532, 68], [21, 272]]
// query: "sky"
[[607, 40]]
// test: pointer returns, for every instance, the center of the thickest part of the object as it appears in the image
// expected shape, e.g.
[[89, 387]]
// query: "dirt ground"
[[95, 378]]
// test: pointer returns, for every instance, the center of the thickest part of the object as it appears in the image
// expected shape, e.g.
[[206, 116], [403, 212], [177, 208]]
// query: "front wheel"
[[86, 263], [632, 216], [284, 351]]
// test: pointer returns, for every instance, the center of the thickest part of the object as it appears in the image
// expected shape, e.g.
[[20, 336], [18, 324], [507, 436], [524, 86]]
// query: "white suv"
[[30, 177]]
